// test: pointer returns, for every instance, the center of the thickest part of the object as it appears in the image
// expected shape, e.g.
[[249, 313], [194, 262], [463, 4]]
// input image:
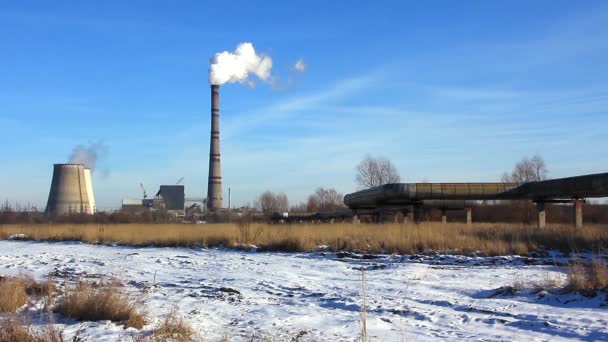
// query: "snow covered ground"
[[316, 296]]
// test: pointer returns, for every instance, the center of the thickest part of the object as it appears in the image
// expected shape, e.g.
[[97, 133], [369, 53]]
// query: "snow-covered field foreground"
[[317, 296]]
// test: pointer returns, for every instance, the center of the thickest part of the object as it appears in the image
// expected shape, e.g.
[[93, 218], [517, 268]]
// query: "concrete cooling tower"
[[71, 190]]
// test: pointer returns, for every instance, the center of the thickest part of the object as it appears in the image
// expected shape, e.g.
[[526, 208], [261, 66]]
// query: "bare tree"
[[527, 170], [324, 199], [281, 202], [539, 167], [298, 207], [376, 171], [270, 202]]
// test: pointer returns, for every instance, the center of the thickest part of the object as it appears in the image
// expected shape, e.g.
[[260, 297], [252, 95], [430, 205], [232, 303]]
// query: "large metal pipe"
[[71, 191], [587, 186], [214, 184], [400, 194], [403, 194]]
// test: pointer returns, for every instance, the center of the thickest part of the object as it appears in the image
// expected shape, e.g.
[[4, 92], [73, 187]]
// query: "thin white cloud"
[[466, 94], [289, 108], [300, 65]]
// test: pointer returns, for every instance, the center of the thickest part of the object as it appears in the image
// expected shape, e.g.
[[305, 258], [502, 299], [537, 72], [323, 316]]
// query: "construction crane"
[[179, 181], [144, 190]]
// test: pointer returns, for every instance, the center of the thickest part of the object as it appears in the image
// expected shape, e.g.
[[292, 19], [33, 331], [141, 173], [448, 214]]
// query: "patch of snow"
[[19, 237], [316, 296]]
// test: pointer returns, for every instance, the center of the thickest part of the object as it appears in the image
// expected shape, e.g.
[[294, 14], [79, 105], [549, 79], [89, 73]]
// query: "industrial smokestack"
[[214, 185], [71, 190]]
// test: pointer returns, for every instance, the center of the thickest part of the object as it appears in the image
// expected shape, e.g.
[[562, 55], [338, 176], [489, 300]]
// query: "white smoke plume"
[[88, 155], [232, 67], [300, 66]]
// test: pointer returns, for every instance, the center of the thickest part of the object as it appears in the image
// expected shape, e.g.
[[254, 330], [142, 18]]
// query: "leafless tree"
[[270, 202], [324, 199], [298, 207], [527, 170], [282, 202], [376, 171]]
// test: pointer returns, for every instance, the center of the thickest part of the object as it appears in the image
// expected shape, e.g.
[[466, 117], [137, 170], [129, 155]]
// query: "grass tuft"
[[98, 302], [587, 279], [14, 329], [13, 294], [174, 328]]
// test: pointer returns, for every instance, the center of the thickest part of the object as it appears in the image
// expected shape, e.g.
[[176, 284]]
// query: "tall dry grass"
[[487, 238], [174, 328], [588, 278], [13, 294], [98, 302], [15, 329]]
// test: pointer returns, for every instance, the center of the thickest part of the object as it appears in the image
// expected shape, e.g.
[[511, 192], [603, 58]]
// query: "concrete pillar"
[[469, 212], [380, 217], [542, 218], [356, 219], [397, 217], [406, 216], [578, 213], [417, 213], [332, 220], [444, 217]]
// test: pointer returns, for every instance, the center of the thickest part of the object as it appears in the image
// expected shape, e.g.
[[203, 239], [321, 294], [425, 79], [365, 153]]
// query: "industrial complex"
[[72, 193]]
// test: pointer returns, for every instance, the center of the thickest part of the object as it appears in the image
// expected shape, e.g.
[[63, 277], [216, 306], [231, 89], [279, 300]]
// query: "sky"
[[448, 91]]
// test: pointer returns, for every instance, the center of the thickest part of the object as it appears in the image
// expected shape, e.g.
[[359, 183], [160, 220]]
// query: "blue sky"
[[449, 91]]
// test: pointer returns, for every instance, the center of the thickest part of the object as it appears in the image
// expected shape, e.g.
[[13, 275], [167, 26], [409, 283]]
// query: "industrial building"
[[172, 198], [168, 197], [71, 190]]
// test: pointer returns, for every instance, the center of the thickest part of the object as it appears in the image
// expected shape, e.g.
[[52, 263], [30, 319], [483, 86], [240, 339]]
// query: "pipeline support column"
[[578, 213], [356, 219], [417, 213], [469, 212], [444, 217], [540, 210]]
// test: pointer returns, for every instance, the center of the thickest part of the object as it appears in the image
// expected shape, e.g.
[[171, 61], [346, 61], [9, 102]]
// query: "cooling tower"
[[71, 190], [89, 189], [214, 185]]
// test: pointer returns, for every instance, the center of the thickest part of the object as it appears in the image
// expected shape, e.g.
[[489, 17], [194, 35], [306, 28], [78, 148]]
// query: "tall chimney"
[[214, 186]]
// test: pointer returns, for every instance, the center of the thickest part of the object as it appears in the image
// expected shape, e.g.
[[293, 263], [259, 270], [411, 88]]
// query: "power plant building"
[[172, 198], [71, 190]]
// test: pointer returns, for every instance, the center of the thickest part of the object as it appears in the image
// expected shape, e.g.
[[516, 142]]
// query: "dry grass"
[[174, 328], [588, 279], [487, 238], [97, 302], [15, 329], [13, 294]]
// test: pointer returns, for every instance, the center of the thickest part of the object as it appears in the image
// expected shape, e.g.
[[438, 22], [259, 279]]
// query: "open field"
[[230, 295], [452, 238]]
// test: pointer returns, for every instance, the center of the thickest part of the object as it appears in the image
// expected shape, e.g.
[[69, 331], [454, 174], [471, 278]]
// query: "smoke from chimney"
[[87, 155], [235, 67]]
